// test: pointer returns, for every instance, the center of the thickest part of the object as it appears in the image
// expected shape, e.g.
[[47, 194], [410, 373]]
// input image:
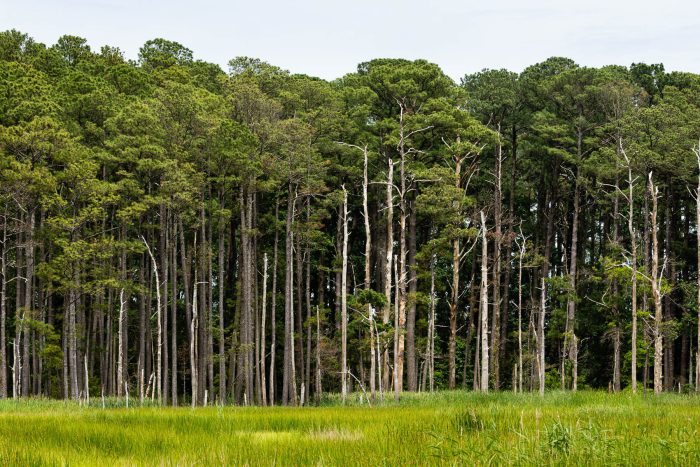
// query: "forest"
[[175, 232]]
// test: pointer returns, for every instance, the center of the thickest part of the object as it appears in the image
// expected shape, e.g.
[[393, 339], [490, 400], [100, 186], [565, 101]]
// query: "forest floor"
[[446, 428]]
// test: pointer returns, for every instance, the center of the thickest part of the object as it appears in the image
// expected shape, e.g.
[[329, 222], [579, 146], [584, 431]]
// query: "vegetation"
[[584, 428], [174, 232]]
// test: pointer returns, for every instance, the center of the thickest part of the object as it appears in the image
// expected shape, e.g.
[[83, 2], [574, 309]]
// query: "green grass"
[[449, 428]]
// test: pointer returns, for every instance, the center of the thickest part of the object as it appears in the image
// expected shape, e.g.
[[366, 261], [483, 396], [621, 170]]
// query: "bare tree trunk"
[[368, 275], [307, 298], [541, 362], [72, 341], [262, 327], [210, 315], [484, 306], [617, 337], [497, 238], [159, 321], [411, 374], [656, 289], [431, 326], [522, 248], [633, 248], [401, 289], [28, 297], [194, 325], [454, 296], [173, 319], [221, 289], [318, 355], [3, 309], [289, 393], [570, 345], [120, 341], [388, 264], [344, 302], [697, 216], [165, 267], [273, 307]]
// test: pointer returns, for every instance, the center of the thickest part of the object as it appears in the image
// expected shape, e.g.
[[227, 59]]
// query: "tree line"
[[176, 232]]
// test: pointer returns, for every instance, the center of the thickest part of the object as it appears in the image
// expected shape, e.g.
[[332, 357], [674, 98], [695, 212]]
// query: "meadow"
[[446, 428]]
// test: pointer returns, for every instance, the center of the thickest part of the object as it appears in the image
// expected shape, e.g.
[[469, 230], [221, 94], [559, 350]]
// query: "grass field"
[[450, 428]]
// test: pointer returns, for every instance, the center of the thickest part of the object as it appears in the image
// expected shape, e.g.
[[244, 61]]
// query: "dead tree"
[[484, 306]]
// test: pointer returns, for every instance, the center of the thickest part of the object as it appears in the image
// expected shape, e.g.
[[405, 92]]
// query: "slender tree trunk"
[[289, 394], [318, 355], [221, 275], [617, 331], [3, 309], [120, 341], [344, 302], [496, 281], [431, 326], [388, 264], [656, 289], [483, 311], [262, 328], [540, 353], [194, 325], [273, 307], [570, 340], [28, 298], [454, 297], [411, 374], [173, 318], [520, 315], [403, 254], [165, 267], [368, 276], [633, 248], [72, 341], [159, 320], [697, 216], [307, 298]]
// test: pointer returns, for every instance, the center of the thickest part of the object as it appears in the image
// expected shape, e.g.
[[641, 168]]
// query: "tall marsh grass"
[[446, 428]]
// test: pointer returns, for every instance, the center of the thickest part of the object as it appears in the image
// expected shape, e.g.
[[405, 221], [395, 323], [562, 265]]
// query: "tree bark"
[[656, 289], [368, 274], [388, 265], [496, 280], [344, 302], [483, 311]]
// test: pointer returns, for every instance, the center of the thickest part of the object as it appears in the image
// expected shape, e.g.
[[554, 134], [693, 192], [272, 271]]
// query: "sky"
[[328, 38]]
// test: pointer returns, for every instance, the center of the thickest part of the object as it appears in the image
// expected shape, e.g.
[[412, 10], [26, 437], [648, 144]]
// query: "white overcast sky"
[[328, 38]]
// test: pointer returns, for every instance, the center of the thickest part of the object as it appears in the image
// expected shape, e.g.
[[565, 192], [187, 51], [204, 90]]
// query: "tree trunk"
[[368, 276], [633, 249], [159, 320], [289, 393], [483, 311], [388, 265], [697, 216], [541, 347], [3, 309], [656, 289], [273, 307], [173, 318], [344, 302], [454, 297], [262, 327], [411, 374], [194, 325], [570, 340], [496, 281]]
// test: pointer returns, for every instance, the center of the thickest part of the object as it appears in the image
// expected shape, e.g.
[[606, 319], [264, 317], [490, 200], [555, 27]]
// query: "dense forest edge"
[[175, 232]]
